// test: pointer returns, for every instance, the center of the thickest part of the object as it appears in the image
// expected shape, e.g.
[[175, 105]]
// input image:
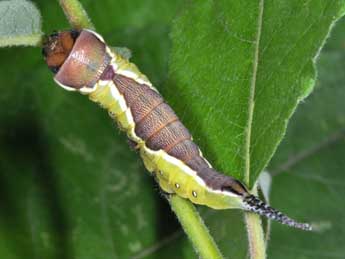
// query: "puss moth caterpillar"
[[81, 61]]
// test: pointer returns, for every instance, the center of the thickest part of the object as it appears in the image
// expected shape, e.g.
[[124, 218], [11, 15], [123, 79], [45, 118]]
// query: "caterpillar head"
[[57, 47], [77, 58]]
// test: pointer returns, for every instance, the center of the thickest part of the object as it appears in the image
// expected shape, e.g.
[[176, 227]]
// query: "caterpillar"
[[81, 61]]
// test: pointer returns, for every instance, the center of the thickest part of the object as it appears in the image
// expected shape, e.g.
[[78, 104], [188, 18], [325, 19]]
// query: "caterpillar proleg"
[[81, 61]]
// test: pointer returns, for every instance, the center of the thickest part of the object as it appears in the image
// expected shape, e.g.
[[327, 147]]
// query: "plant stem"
[[256, 237], [195, 228], [76, 14]]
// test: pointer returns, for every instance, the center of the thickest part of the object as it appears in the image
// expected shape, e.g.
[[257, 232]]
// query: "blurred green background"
[[71, 188]]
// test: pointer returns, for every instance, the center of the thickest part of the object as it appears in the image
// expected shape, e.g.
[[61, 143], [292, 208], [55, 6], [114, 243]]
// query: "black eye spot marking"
[[75, 34], [55, 33], [54, 69]]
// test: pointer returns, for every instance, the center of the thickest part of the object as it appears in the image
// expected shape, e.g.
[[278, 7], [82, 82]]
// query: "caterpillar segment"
[[81, 61]]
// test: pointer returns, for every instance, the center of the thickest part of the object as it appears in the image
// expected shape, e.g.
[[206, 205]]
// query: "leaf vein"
[[300, 156], [251, 102]]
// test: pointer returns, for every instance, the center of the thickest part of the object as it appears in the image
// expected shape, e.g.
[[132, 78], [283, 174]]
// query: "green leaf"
[[20, 23], [71, 187], [311, 159], [238, 71]]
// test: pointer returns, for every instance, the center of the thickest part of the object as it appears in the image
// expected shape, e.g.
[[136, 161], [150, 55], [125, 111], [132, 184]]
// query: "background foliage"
[[70, 187]]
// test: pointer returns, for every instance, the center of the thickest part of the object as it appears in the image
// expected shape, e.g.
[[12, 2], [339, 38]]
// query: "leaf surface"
[[71, 187], [20, 23], [311, 159], [238, 71]]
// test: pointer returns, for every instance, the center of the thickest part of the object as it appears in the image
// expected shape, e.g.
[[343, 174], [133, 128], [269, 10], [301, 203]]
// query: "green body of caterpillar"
[[172, 174], [83, 62]]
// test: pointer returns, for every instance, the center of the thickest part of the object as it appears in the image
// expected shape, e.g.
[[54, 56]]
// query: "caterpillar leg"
[[133, 145]]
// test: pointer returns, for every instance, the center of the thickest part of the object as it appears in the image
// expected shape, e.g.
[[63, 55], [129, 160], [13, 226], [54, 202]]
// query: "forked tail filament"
[[254, 204]]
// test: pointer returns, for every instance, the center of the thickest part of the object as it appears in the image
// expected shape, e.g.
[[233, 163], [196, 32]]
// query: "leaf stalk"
[[195, 228], [76, 14]]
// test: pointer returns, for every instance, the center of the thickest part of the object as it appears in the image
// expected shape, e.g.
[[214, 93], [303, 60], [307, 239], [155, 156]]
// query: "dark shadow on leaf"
[[29, 173]]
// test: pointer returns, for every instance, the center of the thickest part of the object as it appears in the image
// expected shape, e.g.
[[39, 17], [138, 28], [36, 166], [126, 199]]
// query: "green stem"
[[195, 228], [76, 14], [256, 237]]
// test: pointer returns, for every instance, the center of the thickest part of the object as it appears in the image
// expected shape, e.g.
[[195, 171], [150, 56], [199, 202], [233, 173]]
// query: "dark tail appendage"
[[255, 205]]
